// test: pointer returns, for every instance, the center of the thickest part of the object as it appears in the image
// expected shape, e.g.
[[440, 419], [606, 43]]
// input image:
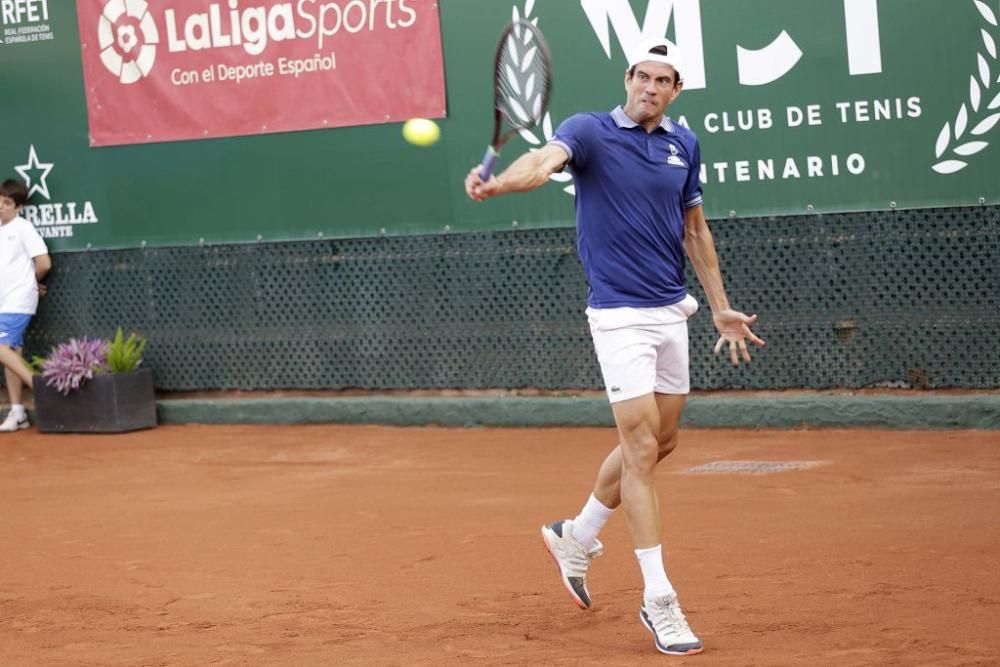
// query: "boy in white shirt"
[[24, 261]]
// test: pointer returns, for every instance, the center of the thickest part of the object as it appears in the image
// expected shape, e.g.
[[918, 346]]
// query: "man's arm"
[[733, 326], [530, 171]]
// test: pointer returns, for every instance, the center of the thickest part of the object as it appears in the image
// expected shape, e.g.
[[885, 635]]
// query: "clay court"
[[337, 545]]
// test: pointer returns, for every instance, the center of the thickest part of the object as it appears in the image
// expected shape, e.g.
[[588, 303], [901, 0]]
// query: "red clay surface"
[[336, 545]]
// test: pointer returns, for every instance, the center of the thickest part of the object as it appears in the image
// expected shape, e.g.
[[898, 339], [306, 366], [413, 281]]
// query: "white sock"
[[17, 408], [653, 573], [588, 524]]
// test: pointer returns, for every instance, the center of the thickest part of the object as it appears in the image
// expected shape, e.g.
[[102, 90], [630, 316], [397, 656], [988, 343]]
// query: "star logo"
[[34, 180]]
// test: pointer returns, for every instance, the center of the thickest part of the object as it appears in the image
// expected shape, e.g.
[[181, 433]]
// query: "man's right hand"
[[477, 189]]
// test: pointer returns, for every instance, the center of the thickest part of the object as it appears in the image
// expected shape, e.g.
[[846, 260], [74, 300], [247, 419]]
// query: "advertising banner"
[[804, 105], [194, 69]]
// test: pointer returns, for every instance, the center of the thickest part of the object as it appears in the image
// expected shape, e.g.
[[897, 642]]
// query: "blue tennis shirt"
[[632, 189]]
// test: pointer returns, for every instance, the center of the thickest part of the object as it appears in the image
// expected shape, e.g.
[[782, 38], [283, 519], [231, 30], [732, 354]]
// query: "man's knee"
[[640, 453]]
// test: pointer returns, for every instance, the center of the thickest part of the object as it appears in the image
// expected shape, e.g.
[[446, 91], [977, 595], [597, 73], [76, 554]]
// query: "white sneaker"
[[572, 559], [663, 617], [14, 422]]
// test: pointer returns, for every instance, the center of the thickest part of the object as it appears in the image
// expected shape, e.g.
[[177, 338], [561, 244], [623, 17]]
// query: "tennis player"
[[638, 212]]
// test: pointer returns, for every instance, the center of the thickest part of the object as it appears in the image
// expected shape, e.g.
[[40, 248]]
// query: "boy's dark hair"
[[16, 190]]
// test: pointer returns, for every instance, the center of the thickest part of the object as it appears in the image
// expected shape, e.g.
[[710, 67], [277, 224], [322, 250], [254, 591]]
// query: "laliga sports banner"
[[166, 70]]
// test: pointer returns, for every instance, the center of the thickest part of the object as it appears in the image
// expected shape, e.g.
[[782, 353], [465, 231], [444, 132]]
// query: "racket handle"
[[489, 161]]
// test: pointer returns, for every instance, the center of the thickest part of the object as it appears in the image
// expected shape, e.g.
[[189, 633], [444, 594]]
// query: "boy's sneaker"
[[664, 618], [572, 558], [14, 422]]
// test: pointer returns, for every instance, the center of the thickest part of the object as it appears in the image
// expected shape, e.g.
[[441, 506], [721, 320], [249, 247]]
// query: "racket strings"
[[523, 80]]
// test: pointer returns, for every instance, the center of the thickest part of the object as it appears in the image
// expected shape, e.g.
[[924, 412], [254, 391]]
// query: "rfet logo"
[[128, 37]]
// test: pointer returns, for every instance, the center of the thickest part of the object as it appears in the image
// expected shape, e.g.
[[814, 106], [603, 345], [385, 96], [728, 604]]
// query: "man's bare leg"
[[607, 489]]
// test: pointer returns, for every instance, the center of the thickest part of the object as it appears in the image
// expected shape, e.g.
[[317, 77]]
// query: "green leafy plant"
[[36, 364], [125, 354]]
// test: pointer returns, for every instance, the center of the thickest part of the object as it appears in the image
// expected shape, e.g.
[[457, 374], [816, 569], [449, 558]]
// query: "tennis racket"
[[522, 84]]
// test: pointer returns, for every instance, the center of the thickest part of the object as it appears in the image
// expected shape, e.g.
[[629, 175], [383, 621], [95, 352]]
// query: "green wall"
[[359, 181]]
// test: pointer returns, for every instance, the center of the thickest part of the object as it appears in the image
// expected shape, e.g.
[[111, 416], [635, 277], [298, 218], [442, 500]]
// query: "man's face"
[[8, 209], [648, 92]]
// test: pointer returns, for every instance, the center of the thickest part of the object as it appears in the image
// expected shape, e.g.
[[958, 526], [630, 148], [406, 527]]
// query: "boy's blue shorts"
[[12, 328]]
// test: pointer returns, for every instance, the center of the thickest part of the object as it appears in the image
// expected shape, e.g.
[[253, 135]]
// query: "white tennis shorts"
[[643, 350]]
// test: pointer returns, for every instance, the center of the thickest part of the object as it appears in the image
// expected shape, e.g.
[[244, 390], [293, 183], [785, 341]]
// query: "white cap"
[[642, 54]]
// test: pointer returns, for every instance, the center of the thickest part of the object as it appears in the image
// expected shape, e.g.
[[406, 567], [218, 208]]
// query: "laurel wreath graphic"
[[528, 135], [980, 88]]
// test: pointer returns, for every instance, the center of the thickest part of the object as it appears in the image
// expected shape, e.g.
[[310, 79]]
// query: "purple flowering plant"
[[74, 362]]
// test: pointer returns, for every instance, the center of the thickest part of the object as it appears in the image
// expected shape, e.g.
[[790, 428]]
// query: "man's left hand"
[[734, 327]]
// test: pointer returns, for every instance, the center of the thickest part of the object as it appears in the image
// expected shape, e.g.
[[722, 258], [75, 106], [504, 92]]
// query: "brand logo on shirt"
[[55, 218], [674, 158]]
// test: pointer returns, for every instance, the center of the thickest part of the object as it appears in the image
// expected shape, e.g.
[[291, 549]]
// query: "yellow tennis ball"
[[421, 132]]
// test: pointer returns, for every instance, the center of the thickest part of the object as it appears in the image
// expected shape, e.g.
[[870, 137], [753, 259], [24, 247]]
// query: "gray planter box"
[[109, 403]]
